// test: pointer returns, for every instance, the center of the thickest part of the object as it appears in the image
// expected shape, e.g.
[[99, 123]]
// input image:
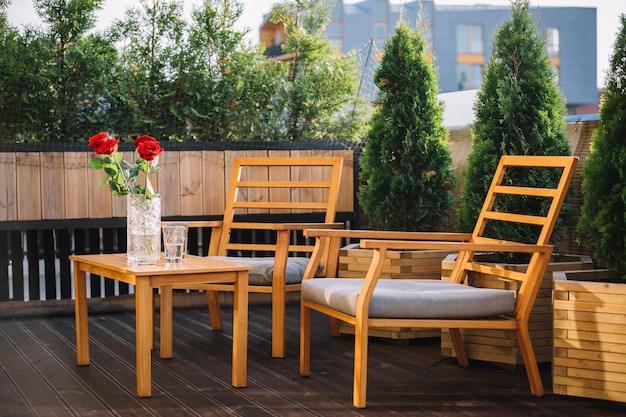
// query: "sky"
[[21, 12]]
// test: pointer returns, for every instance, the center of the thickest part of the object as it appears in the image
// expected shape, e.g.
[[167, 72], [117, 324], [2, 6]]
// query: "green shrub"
[[602, 225], [519, 111], [406, 177]]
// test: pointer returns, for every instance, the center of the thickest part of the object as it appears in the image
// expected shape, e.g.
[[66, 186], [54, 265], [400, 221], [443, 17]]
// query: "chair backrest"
[[538, 208], [275, 185]]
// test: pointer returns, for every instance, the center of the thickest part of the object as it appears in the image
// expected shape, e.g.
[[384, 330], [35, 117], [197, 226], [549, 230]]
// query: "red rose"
[[148, 147], [102, 144]]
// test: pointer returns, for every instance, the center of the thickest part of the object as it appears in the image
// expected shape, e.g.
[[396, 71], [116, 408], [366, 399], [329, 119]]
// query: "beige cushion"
[[263, 269], [414, 298]]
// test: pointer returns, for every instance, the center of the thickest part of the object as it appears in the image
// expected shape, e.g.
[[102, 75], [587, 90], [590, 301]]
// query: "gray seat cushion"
[[263, 269], [414, 298]]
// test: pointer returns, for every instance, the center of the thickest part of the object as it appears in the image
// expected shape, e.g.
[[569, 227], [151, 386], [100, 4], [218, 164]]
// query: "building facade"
[[460, 39]]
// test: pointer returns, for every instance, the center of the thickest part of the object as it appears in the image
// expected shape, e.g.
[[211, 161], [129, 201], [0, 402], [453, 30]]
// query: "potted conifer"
[[519, 111], [406, 176], [590, 308]]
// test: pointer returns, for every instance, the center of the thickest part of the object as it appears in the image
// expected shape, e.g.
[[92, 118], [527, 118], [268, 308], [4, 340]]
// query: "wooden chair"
[[453, 304], [272, 185]]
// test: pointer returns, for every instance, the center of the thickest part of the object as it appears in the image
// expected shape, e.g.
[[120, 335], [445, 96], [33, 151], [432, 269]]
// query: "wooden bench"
[[273, 185]]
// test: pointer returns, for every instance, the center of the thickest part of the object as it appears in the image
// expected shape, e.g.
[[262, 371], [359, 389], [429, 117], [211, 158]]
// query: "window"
[[469, 56], [469, 39], [553, 43], [468, 76], [380, 32]]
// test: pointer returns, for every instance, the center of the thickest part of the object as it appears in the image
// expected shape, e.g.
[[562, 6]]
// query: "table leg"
[[165, 310], [144, 319], [82, 317], [240, 329]]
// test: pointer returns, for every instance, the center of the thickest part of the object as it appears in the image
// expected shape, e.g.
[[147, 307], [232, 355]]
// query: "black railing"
[[34, 262]]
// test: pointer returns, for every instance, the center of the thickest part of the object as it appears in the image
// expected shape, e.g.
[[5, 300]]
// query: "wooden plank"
[[8, 186], [320, 174], [29, 196], [53, 186], [191, 190], [601, 337], [301, 174], [213, 183], [278, 173], [100, 199], [260, 173], [587, 345], [169, 180], [588, 307], [614, 363], [590, 326], [77, 184], [345, 203], [589, 316], [229, 156], [573, 287], [608, 298]]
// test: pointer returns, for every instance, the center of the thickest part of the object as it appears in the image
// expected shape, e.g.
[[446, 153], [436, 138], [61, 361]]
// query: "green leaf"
[[95, 163], [111, 169]]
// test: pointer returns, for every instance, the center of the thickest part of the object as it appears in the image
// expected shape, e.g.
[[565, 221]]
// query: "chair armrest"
[[456, 246], [216, 231], [285, 226], [377, 234], [305, 226]]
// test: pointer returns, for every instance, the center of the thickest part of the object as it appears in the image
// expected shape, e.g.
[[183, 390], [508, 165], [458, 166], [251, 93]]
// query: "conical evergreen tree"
[[406, 175], [602, 225], [519, 111]]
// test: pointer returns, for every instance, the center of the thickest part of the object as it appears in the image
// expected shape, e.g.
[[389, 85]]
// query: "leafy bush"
[[602, 225], [519, 111], [406, 177], [153, 71]]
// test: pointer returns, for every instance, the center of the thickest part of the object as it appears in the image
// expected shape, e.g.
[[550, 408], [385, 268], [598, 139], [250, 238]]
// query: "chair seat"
[[263, 269], [411, 298]]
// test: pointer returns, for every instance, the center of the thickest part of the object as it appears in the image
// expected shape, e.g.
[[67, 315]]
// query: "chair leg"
[[278, 323], [459, 347], [360, 365], [334, 327], [305, 340], [530, 362], [214, 310]]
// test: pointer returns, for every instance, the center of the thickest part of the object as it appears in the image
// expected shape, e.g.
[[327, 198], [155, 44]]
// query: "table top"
[[190, 265]]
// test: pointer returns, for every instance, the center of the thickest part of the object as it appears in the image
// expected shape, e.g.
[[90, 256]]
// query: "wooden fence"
[[57, 185]]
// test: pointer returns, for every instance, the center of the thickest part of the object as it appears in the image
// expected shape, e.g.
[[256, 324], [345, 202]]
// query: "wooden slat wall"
[[60, 185]]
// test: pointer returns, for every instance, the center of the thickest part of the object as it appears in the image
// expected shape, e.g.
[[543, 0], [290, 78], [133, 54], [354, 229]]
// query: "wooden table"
[[193, 270]]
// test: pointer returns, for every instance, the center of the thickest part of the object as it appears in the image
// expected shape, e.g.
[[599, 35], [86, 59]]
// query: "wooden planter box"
[[500, 346], [589, 336], [354, 263]]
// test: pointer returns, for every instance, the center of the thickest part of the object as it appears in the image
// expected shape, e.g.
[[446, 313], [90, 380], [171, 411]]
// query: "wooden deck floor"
[[39, 375]]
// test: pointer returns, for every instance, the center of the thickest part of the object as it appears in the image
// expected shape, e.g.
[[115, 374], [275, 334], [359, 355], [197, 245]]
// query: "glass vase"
[[143, 229]]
